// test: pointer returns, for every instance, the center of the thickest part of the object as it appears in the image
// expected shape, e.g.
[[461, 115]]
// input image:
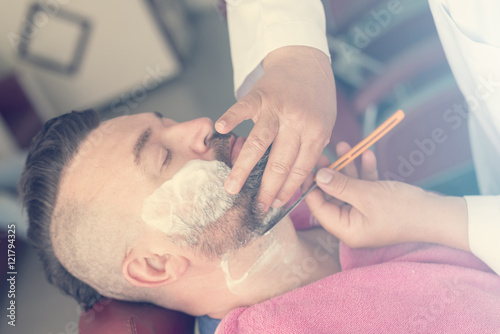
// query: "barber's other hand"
[[293, 105], [380, 213], [368, 170]]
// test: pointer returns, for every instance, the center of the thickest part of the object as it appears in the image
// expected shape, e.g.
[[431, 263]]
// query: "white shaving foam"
[[194, 197], [261, 265]]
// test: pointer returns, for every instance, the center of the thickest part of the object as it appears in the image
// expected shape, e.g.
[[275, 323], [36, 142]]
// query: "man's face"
[[126, 159]]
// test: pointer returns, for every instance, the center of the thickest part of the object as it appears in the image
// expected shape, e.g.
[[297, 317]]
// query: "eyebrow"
[[140, 144], [142, 140]]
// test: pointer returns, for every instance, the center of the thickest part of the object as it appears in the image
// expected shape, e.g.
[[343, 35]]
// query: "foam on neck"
[[259, 260]]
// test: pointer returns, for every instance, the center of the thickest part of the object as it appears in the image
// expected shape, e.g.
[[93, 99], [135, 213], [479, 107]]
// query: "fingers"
[[369, 170], [284, 172], [349, 170], [338, 219], [301, 168], [242, 110], [323, 162], [369, 166], [342, 220], [342, 187], [259, 139], [323, 210]]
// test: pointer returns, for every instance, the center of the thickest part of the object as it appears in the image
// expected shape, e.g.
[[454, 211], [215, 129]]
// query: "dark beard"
[[220, 144], [244, 221]]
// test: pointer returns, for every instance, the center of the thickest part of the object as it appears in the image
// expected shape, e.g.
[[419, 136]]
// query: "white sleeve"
[[484, 229], [258, 27], [469, 33]]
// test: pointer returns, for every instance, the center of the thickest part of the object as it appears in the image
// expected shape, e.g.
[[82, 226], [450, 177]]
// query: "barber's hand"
[[368, 169], [293, 105], [378, 213]]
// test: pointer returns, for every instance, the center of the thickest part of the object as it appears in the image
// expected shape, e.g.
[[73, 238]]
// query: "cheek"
[[189, 201]]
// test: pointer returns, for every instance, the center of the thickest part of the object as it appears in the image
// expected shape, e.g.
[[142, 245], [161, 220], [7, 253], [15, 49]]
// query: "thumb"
[[242, 110], [340, 186]]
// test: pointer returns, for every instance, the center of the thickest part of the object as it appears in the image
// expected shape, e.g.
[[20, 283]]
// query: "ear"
[[153, 270]]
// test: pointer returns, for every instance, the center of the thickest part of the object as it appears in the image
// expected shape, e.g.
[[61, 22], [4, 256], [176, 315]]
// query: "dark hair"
[[50, 153]]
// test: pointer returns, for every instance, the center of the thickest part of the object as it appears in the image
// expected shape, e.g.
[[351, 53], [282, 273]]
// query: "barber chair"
[[116, 317]]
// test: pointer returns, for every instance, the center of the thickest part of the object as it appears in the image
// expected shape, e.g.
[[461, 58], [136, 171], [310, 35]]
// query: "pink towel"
[[408, 288]]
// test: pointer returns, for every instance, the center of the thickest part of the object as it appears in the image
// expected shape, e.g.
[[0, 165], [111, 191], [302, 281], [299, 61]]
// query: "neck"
[[278, 262]]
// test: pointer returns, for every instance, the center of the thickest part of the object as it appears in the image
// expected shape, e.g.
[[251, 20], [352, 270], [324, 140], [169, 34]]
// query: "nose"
[[192, 134]]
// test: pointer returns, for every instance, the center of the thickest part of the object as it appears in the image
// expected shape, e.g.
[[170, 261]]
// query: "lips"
[[236, 148]]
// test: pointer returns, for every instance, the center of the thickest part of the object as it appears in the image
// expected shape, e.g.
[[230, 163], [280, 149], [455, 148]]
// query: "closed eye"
[[167, 158]]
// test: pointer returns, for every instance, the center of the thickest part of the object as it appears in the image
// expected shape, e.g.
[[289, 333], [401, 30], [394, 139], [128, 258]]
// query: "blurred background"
[[172, 56]]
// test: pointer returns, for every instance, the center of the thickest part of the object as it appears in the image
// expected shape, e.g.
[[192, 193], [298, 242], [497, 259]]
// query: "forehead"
[[103, 169]]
